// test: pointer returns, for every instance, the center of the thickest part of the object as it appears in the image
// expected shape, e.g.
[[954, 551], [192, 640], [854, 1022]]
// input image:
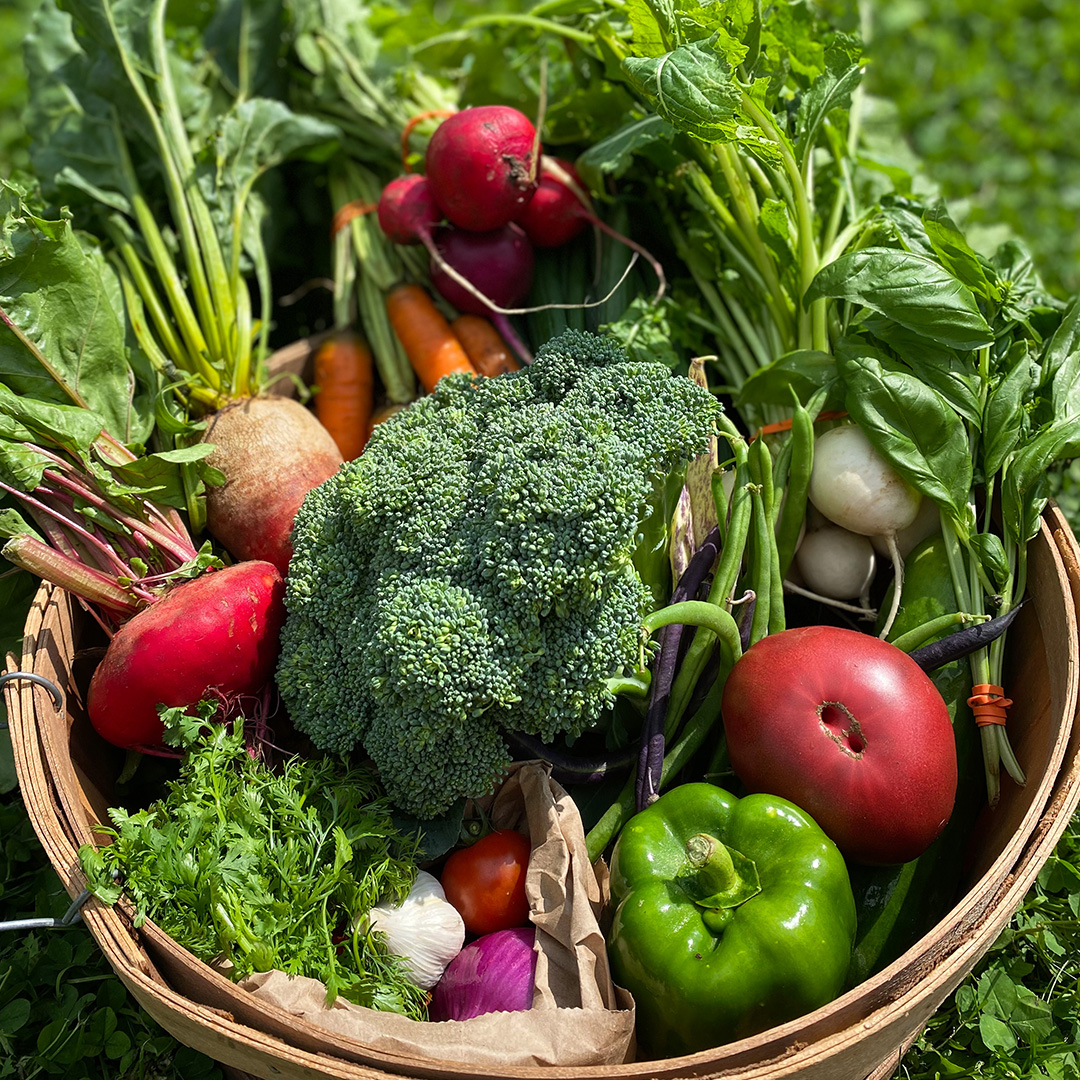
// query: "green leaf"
[[62, 340], [913, 428], [1061, 363], [692, 87], [802, 372], [957, 256], [1004, 417], [1024, 486], [991, 553], [14, 1015], [912, 289], [12, 523], [996, 1034], [832, 89], [615, 154], [952, 374]]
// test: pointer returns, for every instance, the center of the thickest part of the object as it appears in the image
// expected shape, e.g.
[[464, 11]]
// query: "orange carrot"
[[345, 377], [384, 412], [425, 335], [483, 344]]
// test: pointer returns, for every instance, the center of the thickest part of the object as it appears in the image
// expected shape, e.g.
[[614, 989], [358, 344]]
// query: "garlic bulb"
[[426, 930]]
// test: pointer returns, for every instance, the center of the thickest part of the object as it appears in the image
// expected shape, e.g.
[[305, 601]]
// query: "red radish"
[[407, 210], [214, 636], [498, 263], [559, 210], [272, 451], [482, 166]]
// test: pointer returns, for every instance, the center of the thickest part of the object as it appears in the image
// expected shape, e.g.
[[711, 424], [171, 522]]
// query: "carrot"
[[345, 377], [425, 335], [384, 412], [483, 344]]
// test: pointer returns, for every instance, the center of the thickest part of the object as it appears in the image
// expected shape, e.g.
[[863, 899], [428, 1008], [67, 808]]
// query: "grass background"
[[989, 96]]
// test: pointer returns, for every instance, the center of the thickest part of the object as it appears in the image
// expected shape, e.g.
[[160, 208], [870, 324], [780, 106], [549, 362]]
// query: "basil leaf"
[[1061, 364], [1024, 484], [1004, 417], [991, 554], [957, 256], [952, 374], [802, 372], [913, 428], [914, 290], [691, 87]]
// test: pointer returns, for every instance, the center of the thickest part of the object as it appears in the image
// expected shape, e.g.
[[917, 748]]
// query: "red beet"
[[481, 167], [215, 636]]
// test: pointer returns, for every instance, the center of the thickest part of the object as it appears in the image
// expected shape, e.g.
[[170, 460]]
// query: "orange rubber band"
[[419, 118], [785, 425], [988, 703], [356, 208]]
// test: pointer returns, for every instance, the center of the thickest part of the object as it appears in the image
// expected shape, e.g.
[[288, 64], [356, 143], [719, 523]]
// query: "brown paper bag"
[[579, 1017]]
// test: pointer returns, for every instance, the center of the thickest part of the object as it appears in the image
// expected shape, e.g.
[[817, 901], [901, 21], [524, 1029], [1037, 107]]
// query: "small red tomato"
[[486, 882]]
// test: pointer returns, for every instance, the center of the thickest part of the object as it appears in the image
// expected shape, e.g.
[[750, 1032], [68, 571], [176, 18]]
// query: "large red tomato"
[[852, 730], [486, 882]]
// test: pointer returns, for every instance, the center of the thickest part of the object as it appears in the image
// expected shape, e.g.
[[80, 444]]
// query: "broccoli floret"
[[471, 573]]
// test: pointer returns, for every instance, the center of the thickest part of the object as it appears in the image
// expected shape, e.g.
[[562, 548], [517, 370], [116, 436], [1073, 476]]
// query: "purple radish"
[[498, 263]]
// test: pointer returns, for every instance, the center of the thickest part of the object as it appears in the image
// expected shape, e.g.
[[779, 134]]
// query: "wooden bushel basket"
[[66, 774]]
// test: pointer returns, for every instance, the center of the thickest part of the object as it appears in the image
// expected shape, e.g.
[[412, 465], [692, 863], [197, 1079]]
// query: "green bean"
[[794, 510]]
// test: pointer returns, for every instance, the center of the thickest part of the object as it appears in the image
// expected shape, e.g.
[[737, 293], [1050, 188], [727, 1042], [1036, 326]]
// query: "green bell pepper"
[[732, 915]]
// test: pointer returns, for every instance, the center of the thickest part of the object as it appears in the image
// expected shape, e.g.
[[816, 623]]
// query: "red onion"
[[494, 973]]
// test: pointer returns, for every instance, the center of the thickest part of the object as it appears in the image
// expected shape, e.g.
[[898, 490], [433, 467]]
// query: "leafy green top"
[[266, 868]]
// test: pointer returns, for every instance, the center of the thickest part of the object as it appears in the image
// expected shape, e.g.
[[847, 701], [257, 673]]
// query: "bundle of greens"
[[266, 868]]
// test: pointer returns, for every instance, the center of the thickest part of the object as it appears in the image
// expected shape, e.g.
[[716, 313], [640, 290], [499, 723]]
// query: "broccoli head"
[[472, 571]]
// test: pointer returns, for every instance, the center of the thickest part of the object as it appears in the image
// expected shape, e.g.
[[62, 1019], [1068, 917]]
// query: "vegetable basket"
[[66, 772]]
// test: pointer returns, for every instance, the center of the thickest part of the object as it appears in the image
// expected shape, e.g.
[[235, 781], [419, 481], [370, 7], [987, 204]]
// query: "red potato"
[[481, 166], [272, 451], [850, 729], [215, 636]]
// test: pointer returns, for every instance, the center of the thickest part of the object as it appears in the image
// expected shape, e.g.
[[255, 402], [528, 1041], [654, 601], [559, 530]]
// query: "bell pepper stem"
[[712, 861]]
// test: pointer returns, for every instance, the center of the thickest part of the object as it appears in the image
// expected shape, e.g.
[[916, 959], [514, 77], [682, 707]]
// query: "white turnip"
[[836, 563], [856, 488]]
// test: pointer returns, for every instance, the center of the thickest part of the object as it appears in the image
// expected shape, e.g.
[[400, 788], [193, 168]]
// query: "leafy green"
[[267, 867], [63, 336]]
